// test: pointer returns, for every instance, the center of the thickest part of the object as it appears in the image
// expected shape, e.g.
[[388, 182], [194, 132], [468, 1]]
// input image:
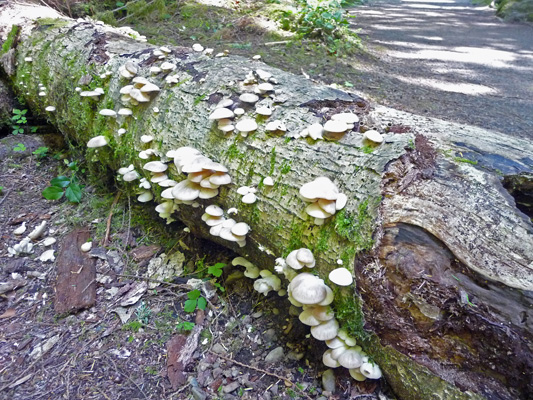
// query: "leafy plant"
[[19, 119], [216, 270], [41, 152], [195, 300], [185, 326], [143, 313], [1, 189], [19, 147], [64, 185]]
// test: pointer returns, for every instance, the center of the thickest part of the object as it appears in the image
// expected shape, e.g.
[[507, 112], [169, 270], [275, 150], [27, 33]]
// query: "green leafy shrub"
[[320, 19], [195, 300], [62, 185]]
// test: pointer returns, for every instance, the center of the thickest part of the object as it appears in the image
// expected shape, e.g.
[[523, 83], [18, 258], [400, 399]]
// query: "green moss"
[[356, 228], [51, 22], [349, 313], [295, 240], [465, 160], [323, 239], [233, 152], [10, 40], [286, 167]]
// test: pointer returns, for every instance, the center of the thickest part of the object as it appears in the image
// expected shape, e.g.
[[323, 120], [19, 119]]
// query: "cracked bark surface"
[[443, 256]]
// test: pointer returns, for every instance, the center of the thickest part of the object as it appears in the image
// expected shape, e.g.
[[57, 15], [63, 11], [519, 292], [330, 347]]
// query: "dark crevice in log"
[[494, 162], [521, 188], [423, 302]]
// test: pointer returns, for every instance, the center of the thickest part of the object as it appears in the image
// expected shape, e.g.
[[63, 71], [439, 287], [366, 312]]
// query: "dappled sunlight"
[[482, 56], [463, 88]]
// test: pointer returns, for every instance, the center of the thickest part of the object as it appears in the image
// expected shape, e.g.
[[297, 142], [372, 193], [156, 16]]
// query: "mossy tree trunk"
[[442, 255]]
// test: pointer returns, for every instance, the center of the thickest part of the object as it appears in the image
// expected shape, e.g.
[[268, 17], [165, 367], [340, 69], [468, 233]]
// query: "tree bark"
[[441, 251]]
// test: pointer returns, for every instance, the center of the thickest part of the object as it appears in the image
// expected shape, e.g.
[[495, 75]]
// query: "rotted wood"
[[447, 285]]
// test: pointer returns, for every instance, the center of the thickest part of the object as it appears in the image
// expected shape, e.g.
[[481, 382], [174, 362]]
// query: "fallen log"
[[441, 251]]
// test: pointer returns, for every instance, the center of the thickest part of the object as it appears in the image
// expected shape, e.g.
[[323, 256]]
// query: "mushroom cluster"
[[334, 129], [324, 198], [139, 92], [204, 176], [225, 228]]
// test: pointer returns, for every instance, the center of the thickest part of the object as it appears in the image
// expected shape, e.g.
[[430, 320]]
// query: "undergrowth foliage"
[[321, 19]]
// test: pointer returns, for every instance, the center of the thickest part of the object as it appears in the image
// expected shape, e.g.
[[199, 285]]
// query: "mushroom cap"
[[350, 358], [315, 211], [145, 196], [264, 110], [249, 198], [328, 361], [240, 229], [268, 181], [108, 113], [168, 66], [125, 111], [206, 193], [221, 113], [315, 131], [225, 103], [370, 370], [246, 125], [329, 297], [147, 138], [356, 374], [292, 261], [341, 201], [139, 96], [158, 177], [373, 136], [131, 176], [186, 191], [306, 317], [321, 188], [97, 141], [347, 117], [306, 288], [131, 67], [239, 111], [335, 126], [249, 98], [50, 109], [305, 257], [329, 206], [276, 125], [155, 166], [265, 87], [326, 330], [140, 81], [323, 313], [341, 277], [126, 89], [335, 343], [214, 210], [149, 88]]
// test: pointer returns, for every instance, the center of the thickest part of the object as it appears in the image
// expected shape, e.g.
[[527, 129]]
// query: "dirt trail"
[[448, 59]]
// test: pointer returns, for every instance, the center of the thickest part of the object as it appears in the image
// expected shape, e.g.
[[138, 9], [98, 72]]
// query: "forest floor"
[[124, 345]]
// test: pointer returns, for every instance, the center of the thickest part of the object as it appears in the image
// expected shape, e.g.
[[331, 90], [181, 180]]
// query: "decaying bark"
[[443, 256]]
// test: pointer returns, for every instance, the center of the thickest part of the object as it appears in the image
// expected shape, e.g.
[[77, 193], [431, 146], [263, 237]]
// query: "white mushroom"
[[373, 136], [341, 277], [106, 112], [97, 141]]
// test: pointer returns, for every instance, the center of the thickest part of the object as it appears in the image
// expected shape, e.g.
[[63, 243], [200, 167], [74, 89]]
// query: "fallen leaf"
[[20, 381], [10, 312]]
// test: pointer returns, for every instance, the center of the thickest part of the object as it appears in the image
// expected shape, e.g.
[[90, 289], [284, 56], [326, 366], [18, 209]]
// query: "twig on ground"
[[286, 380], [105, 241]]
